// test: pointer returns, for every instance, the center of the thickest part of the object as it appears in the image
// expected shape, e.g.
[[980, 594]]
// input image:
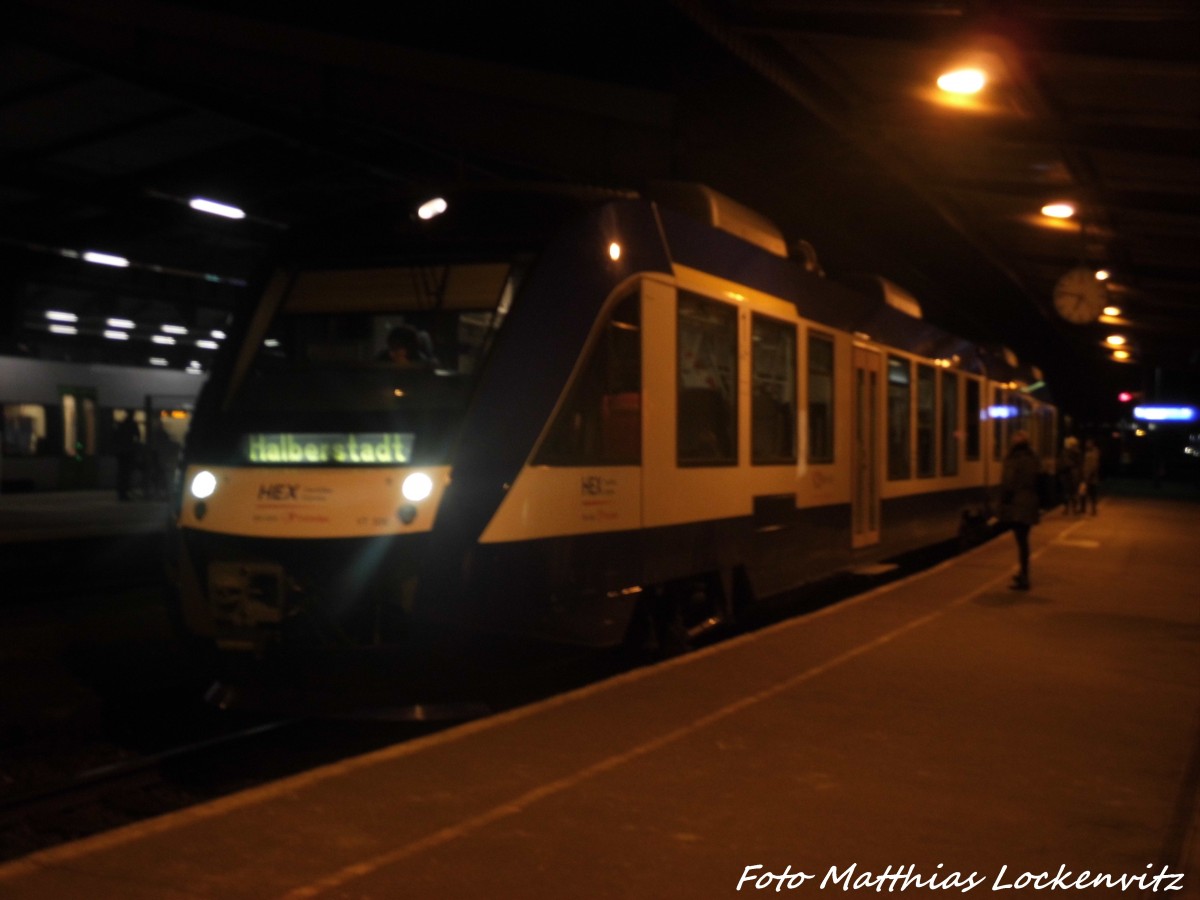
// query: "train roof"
[[702, 229], [864, 305]]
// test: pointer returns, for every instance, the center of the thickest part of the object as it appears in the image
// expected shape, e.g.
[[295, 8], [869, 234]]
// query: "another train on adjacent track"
[[58, 420], [610, 418]]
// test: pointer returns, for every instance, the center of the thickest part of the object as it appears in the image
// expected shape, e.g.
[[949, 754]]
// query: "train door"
[[865, 460], [77, 467]]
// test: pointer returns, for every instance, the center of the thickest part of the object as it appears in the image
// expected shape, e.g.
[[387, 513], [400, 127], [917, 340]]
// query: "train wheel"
[[675, 616]]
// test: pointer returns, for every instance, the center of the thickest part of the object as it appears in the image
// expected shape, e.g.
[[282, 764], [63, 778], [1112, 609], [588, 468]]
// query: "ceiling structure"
[[822, 114]]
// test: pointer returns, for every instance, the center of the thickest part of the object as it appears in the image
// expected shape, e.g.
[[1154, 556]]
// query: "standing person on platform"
[[1019, 500], [1091, 473], [126, 442], [1070, 475]]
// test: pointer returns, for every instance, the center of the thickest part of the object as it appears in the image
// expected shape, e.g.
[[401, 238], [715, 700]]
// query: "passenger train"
[[57, 419], [625, 416]]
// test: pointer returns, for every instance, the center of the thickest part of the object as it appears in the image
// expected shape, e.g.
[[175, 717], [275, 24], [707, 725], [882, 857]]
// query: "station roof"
[[822, 114]]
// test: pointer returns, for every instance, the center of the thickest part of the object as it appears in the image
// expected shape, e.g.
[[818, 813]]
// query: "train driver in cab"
[[408, 348]]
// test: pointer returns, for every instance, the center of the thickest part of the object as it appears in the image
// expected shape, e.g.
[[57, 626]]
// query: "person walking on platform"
[[1091, 473], [1019, 500], [1070, 475]]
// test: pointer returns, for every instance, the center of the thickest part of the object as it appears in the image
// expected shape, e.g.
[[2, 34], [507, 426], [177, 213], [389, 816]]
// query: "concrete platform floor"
[[980, 736]]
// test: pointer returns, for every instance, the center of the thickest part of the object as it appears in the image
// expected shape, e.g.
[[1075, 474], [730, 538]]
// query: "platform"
[[70, 515], [943, 723]]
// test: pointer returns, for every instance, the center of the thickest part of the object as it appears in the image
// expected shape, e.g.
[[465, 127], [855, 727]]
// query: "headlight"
[[417, 487], [203, 484]]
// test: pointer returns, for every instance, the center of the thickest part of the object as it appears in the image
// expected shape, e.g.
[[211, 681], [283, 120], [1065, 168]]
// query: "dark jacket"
[[1018, 486]]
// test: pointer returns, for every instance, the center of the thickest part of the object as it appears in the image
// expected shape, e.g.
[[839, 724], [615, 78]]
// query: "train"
[[619, 417], [57, 418]]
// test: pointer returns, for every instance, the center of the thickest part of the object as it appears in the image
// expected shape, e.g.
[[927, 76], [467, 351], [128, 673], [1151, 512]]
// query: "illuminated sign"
[[330, 449], [1164, 413], [1002, 412]]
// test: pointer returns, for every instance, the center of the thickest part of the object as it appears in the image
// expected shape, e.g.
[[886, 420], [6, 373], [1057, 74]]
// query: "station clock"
[[1079, 297]]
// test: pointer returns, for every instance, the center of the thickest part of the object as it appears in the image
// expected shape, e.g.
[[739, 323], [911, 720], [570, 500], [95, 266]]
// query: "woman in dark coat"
[[1019, 500]]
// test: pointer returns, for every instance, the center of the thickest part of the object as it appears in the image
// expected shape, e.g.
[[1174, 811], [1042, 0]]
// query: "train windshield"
[[386, 351]]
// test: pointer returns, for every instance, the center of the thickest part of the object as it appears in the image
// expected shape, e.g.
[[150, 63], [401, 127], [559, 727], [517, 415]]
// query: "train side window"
[[601, 421], [926, 421], [973, 420], [706, 420], [773, 391], [820, 398], [949, 423], [899, 422], [24, 428]]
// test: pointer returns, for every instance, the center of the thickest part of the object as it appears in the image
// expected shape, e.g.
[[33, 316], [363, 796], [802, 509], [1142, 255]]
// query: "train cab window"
[[601, 423], [706, 420], [773, 392], [899, 422], [926, 421], [973, 420], [949, 431], [24, 428], [820, 398]]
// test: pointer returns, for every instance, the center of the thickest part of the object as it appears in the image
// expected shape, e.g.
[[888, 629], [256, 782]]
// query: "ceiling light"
[[64, 329], [1120, 354], [1115, 340], [207, 345], [217, 209], [174, 329], [962, 81], [117, 335], [120, 323], [157, 361], [1058, 210], [432, 208], [1112, 310], [55, 315], [162, 339], [105, 259], [1102, 274]]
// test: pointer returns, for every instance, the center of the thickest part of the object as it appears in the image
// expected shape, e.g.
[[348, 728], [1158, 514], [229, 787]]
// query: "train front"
[[321, 446]]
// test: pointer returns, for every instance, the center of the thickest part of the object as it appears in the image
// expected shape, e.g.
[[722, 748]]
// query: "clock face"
[[1079, 297]]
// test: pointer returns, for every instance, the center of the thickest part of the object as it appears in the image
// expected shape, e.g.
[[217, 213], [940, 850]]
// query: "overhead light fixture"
[[114, 335], [1058, 210], [1102, 274], [1115, 340], [962, 81], [174, 329], [1112, 310], [105, 259], [207, 345], [64, 329], [432, 208], [1121, 354], [56, 315], [162, 339], [157, 361], [212, 207], [120, 323]]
